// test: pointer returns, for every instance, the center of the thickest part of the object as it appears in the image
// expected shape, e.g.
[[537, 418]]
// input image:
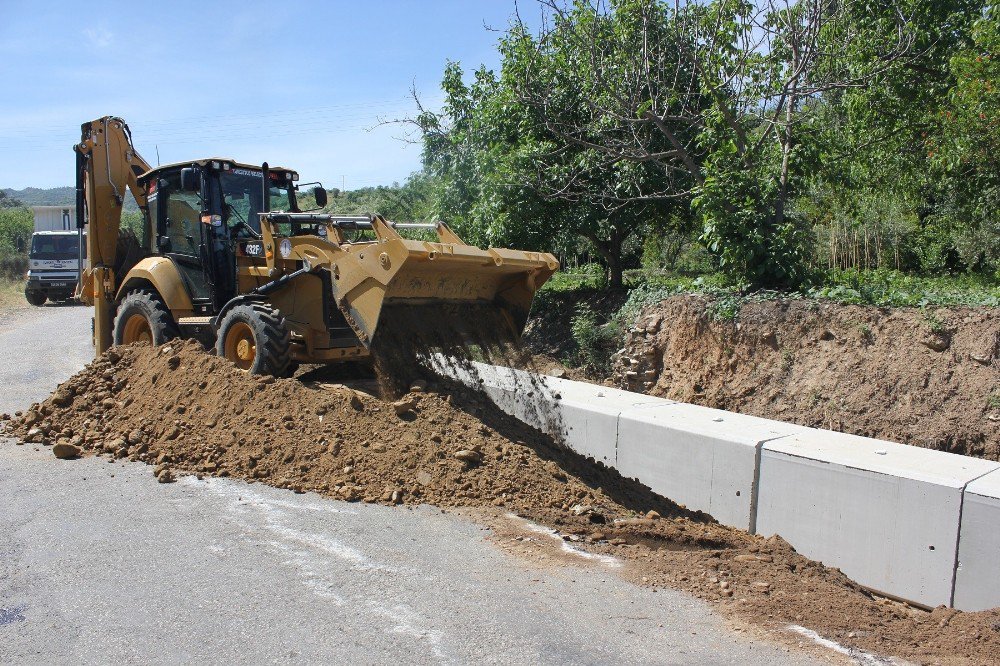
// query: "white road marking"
[[606, 560], [859, 656], [309, 553]]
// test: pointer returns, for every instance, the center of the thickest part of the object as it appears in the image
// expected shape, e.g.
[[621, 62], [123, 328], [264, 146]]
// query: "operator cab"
[[205, 214]]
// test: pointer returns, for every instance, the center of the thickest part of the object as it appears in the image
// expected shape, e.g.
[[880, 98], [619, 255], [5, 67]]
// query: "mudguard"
[[163, 275]]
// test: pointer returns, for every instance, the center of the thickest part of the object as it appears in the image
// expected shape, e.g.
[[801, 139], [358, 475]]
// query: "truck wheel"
[[142, 317], [255, 337], [36, 298]]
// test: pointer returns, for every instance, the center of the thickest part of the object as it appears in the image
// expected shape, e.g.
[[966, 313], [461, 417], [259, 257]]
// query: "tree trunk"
[[611, 252]]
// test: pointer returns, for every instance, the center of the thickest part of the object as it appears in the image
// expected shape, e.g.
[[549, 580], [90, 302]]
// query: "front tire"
[[143, 318], [36, 298], [255, 338]]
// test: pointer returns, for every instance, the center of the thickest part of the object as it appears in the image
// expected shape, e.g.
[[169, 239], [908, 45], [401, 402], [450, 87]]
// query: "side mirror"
[[190, 180], [320, 195]]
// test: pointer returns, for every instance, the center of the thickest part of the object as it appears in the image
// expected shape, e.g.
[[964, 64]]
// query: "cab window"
[[183, 215]]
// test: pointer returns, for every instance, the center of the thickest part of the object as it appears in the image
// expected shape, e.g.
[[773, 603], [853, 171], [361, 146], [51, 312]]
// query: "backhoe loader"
[[226, 256]]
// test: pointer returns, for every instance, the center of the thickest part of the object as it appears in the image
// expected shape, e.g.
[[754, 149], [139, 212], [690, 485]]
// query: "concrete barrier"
[[910, 523], [977, 578], [703, 458], [886, 514], [583, 416]]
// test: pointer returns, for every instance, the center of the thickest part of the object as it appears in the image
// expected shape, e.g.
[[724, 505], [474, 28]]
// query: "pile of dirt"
[[926, 378], [189, 413]]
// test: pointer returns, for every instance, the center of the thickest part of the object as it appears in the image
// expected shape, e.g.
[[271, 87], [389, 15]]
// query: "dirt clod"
[[65, 450]]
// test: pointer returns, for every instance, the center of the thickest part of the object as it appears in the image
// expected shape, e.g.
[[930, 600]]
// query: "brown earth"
[[189, 413], [926, 378]]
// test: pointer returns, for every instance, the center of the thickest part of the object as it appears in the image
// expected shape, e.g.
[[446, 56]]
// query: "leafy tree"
[[619, 113], [16, 227], [965, 149], [7, 201]]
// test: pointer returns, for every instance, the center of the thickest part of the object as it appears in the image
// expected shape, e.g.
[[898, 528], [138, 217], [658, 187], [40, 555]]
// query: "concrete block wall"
[[911, 523], [977, 578], [705, 459], [886, 514]]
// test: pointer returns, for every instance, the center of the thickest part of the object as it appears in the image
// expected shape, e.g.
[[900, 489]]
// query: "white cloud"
[[99, 37]]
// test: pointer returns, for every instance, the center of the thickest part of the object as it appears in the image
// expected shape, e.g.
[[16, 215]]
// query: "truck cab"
[[53, 266]]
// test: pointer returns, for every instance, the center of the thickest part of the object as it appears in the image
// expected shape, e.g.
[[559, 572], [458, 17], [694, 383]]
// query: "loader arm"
[[106, 164]]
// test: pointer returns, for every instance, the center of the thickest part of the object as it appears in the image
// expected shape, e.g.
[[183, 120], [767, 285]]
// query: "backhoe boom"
[[106, 163]]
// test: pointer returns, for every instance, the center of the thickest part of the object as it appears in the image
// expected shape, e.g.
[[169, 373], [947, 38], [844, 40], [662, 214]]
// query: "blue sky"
[[294, 83]]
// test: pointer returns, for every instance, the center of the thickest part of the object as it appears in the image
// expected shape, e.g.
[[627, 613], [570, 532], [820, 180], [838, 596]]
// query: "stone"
[[469, 457], [652, 515], [938, 343], [404, 406], [424, 478], [64, 450], [418, 386]]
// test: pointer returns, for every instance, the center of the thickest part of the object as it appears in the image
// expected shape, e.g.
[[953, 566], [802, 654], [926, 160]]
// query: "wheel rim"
[[137, 329], [241, 348]]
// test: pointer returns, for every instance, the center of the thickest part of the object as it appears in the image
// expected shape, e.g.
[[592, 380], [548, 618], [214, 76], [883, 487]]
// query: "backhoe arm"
[[106, 163]]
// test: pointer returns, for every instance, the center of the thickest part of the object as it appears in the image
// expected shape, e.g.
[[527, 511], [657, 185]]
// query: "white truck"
[[53, 266]]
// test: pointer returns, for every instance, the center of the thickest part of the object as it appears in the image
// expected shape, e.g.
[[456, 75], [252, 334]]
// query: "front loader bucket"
[[371, 280]]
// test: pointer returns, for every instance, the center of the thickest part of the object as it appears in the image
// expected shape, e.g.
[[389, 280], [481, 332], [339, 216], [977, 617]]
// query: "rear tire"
[[36, 298], [255, 338], [142, 317]]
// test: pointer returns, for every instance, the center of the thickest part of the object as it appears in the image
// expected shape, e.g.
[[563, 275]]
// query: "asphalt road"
[[101, 564]]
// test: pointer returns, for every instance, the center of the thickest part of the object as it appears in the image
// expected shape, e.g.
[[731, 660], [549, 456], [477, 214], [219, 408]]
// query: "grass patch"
[[11, 294]]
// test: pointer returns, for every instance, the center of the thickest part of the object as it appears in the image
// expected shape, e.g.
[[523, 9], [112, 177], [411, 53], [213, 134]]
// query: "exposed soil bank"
[[190, 413], [927, 378]]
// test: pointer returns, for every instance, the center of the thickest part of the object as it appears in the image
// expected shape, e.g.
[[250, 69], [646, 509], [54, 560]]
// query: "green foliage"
[[894, 288], [934, 323], [413, 201], [9, 201], [595, 342], [16, 227]]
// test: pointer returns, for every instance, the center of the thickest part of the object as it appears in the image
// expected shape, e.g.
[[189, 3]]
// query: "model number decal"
[[253, 249]]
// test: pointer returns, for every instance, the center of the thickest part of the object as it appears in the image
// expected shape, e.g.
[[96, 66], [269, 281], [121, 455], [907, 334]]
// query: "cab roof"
[[233, 164]]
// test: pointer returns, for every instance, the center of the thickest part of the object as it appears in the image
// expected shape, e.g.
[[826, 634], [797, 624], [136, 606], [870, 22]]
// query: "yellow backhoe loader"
[[226, 256]]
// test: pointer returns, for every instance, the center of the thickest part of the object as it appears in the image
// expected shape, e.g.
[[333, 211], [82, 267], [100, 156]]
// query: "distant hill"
[[56, 196]]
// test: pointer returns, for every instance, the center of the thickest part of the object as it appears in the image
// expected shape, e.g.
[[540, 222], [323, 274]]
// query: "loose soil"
[[926, 378], [190, 413]]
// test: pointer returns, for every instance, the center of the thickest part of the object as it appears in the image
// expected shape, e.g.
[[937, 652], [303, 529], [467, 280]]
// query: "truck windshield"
[[54, 247], [242, 196]]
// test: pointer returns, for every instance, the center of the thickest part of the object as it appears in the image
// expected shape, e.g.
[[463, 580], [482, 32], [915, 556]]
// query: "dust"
[[443, 342], [185, 412]]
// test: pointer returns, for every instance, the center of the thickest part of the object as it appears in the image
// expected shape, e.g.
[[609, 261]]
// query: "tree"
[[524, 155], [712, 98], [7, 201]]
